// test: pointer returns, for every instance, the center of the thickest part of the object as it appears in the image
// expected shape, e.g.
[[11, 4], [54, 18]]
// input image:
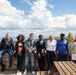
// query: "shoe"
[[48, 71], [25, 72], [20, 73], [33, 72], [3, 68], [17, 73]]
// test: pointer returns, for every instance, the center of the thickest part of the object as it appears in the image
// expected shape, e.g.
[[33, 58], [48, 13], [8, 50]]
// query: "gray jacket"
[[27, 44]]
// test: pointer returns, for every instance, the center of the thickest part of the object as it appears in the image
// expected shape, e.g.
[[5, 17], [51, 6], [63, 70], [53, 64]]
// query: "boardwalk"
[[14, 73]]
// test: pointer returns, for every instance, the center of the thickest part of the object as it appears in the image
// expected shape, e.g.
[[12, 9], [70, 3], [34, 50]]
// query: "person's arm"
[[34, 46], [56, 47], [67, 48], [37, 47], [45, 47], [2, 43], [12, 44], [74, 49], [26, 47], [16, 45], [38, 50]]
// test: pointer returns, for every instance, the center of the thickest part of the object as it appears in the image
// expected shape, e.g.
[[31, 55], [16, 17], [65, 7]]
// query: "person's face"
[[62, 37], [50, 38], [20, 38], [73, 39], [7, 36], [31, 37], [41, 38]]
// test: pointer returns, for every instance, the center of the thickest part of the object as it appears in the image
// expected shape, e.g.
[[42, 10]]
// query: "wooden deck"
[[64, 68], [13, 72]]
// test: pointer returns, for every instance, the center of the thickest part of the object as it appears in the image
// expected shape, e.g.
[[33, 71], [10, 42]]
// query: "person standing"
[[51, 47], [29, 55], [40, 46], [72, 48], [20, 50], [62, 48], [7, 46]]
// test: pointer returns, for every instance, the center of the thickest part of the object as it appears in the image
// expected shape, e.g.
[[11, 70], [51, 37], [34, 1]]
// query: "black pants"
[[50, 58], [41, 62], [19, 63], [62, 57]]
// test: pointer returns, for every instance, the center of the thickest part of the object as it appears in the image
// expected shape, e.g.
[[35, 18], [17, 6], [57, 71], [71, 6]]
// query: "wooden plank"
[[69, 68], [73, 63], [64, 68], [73, 68], [53, 70], [59, 68]]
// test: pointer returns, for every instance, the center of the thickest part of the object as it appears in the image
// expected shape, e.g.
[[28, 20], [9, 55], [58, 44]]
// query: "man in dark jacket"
[[7, 46]]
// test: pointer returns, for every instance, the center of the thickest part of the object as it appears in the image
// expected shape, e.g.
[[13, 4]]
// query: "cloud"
[[51, 6], [39, 21], [26, 1], [10, 17]]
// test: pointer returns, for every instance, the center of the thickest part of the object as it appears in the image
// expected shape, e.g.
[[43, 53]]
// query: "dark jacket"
[[39, 47], [5, 45], [23, 49]]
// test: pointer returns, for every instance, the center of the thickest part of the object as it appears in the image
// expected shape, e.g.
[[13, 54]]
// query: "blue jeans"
[[50, 58], [31, 58], [9, 51]]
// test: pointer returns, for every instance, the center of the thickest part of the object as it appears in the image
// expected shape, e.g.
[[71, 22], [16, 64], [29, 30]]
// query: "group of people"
[[26, 49]]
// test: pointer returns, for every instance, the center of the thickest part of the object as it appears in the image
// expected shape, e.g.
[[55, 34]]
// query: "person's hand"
[[45, 51], [14, 51], [39, 56], [70, 54], [30, 51], [19, 53]]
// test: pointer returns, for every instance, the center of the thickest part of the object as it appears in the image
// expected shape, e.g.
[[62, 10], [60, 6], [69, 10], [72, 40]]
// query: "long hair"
[[23, 38]]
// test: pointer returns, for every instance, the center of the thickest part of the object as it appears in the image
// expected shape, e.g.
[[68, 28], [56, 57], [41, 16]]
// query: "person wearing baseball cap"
[[62, 48]]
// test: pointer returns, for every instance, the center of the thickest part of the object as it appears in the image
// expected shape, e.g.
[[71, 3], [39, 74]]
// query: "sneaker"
[[20, 73], [17, 73], [3, 68], [33, 72], [49, 72], [25, 72]]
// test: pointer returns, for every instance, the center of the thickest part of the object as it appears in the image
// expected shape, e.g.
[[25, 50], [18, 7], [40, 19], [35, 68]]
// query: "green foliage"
[[69, 37]]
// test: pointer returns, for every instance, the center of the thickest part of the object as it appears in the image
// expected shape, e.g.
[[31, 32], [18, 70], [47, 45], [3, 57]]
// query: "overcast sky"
[[47, 17]]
